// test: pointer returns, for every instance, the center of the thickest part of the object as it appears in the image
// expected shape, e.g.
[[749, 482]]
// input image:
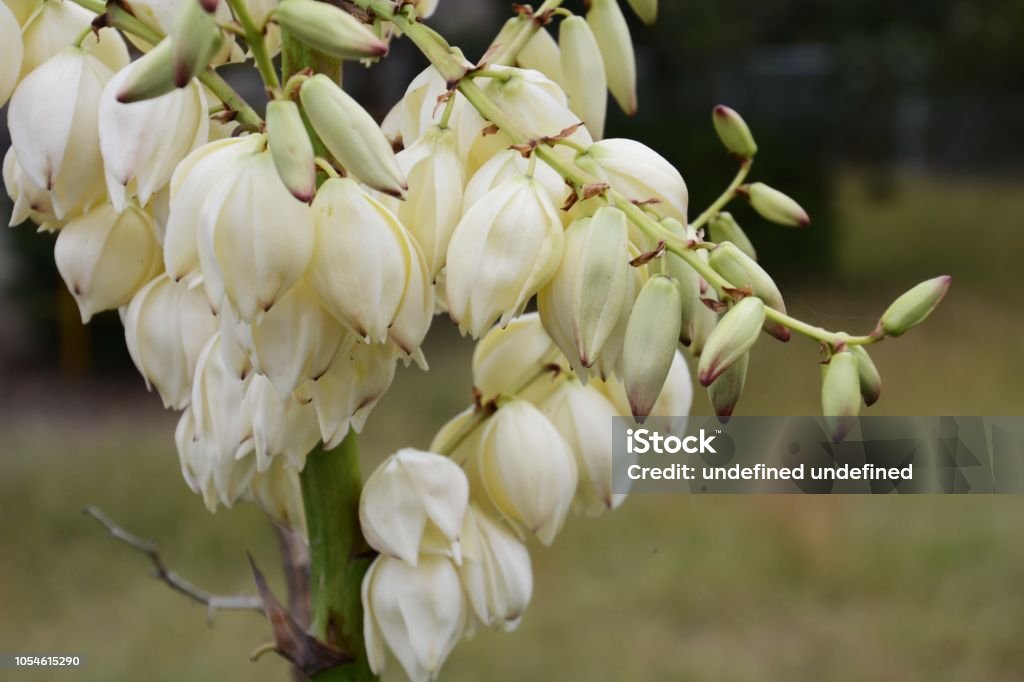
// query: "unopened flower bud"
[[725, 391], [282, 429], [612, 33], [775, 206], [743, 271], [731, 338], [651, 338], [724, 228], [688, 282], [506, 247], [166, 327], [149, 76], [528, 470], [346, 394], [52, 119], [351, 135], [585, 80], [329, 29], [10, 37], [290, 145], [647, 10], [195, 39], [50, 27], [675, 400], [105, 257], [411, 496], [638, 172], [914, 307], [870, 379], [733, 132], [139, 154], [495, 570], [583, 415], [541, 53], [361, 265], [505, 358], [279, 493], [840, 394], [417, 612]]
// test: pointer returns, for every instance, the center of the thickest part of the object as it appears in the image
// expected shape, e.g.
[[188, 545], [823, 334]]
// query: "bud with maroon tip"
[[840, 394], [743, 271], [650, 346], [914, 307], [733, 336], [725, 391], [733, 132], [291, 149], [775, 206]]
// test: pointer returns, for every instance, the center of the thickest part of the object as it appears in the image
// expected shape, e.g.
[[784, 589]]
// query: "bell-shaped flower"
[[675, 399], [528, 469], [495, 571], [284, 430], [414, 503], [360, 268], [255, 238], [507, 165], [52, 26], [583, 415], [507, 358], [222, 423], [433, 204], [346, 394], [53, 124], [166, 326], [279, 493], [139, 152], [419, 110], [10, 37], [195, 179], [638, 172], [105, 257], [417, 612], [31, 202], [417, 310], [505, 248]]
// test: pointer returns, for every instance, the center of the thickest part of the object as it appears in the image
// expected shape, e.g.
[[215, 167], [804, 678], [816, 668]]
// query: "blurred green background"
[[898, 125]]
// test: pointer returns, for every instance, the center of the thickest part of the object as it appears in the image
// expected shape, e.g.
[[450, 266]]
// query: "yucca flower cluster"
[[271, 272]]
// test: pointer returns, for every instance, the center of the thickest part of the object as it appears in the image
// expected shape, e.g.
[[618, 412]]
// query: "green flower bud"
[[195, 39], [585, 80], [743, 271], [775, 206], [733, 336], [351, 135], [725, 391], [647, 10], [291, 149], [840, 394], [689, 284], [914, 307], [733, 132], [612, 34], [329, 29], [724, 228], [650, 347], [150, 77], [601, 282], [870, 379], [704, 322]]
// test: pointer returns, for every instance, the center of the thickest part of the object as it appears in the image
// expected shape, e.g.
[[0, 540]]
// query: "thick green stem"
[[331, 484], [257, 45]]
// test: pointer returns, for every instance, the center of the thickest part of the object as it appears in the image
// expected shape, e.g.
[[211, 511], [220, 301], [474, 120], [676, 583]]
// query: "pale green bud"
[[612, 33], [724, 228], [10, 37], [585, 78], [329, 29], [601, 282], [291, 149], [775, 206], [870, 379], [195, 39], [704, 321], [541, 53], [150, 77], [914, 307], [733, 132], [688, 282], [726, 390], [731, 338], [650, 346], [351, 135], [840, 394], [743, 271], [647, 10]]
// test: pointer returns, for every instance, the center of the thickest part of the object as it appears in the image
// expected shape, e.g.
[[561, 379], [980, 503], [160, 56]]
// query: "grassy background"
[[710, 588]]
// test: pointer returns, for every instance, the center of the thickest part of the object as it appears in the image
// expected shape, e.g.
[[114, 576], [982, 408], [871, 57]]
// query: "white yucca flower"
[[10, 67], [495, 570], [507, 165], [348, 392], [505, 358], [54, 24], [31, 202], [282, 429]]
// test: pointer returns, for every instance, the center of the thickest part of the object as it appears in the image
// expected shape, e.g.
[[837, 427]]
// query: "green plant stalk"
[[331, 484], [506, 54], [257, 45], [728, 195]]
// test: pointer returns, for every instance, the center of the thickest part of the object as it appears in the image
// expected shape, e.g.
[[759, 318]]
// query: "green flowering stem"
[[339, 557], [507, 54], [728, 195], [257, 45]]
